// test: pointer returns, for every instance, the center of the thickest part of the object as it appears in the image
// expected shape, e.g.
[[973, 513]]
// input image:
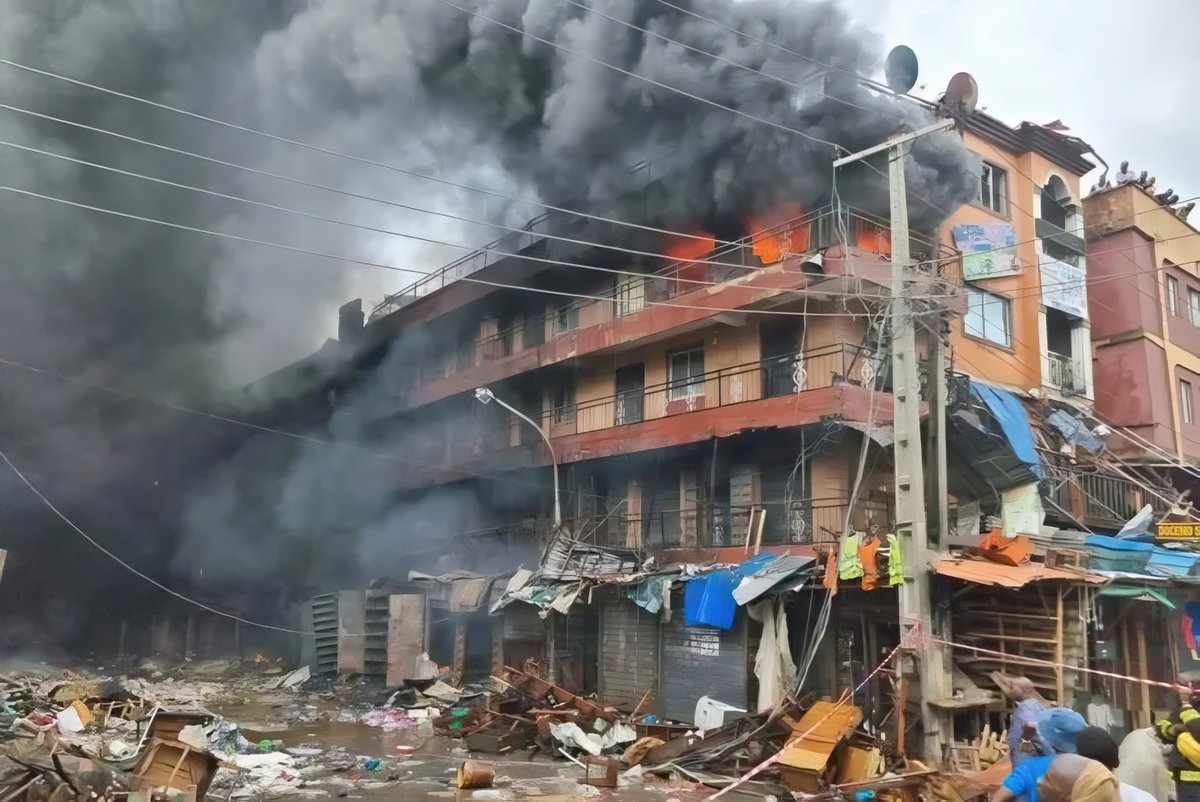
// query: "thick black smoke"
[[420, 84]]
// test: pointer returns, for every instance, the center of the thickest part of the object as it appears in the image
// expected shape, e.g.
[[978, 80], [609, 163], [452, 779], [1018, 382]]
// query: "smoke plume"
[[419, 84]]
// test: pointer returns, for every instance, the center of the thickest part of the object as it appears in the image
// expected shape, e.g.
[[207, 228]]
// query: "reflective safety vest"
[[1182, 731]]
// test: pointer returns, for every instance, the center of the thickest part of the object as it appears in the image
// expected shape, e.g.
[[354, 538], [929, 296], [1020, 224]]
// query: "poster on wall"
[[1063, 287], [988, 251], [1187, 614]]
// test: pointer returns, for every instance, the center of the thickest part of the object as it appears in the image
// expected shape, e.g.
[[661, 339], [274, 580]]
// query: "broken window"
[[993, 189]]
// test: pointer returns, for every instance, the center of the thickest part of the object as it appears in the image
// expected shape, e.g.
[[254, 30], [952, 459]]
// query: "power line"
[[327, 188], [367, 263], [782, 49], [340, 155], [837, 148], [428, 240], [63, 517], [305, 438]]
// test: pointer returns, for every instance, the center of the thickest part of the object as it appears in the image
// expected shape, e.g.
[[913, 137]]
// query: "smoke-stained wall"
[[418, 84]]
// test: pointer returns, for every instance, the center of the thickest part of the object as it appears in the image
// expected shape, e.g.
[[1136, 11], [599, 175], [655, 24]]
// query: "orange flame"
[[874, 239], [772, 239], [695, 244], [688, 248]]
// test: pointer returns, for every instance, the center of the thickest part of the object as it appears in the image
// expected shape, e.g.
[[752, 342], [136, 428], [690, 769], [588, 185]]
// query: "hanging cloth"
[[895, 561], [849, 565], [867, 549]]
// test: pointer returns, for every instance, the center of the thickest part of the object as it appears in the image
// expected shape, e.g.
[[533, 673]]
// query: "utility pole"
[[911, 529]]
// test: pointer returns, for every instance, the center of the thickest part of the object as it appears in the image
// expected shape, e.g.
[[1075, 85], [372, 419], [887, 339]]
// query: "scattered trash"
[[372, 764]]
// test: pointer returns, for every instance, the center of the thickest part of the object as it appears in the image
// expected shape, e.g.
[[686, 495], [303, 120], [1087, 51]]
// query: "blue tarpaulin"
[[1010, 414], [708, 600]]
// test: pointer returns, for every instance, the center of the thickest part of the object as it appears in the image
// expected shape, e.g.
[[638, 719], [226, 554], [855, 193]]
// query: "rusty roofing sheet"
[[985, 572]]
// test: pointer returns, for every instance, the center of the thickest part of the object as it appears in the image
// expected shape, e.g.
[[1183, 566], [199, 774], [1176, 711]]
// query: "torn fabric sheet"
[[773, 663]]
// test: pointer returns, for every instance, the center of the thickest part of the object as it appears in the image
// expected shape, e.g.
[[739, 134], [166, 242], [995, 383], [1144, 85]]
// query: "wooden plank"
[[1142, 716], [1058, 652], [352, 626], [405, 637]]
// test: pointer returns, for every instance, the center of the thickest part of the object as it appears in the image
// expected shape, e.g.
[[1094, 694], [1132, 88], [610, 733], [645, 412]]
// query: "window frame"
[[630, 295], [1173, 296], [566, 318], [1006, 305], [1194, 306], [1186, 409], [689, 386], [566, 411], [997, 200]]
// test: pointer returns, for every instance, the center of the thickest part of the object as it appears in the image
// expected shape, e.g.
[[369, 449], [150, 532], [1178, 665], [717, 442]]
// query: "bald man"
[[1074, 778]]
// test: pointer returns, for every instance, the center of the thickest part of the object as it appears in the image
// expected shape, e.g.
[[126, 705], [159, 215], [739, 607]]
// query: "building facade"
[[1143, 255]]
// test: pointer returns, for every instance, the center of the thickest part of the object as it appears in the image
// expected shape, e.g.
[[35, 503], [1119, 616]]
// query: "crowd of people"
[[1056, 756]]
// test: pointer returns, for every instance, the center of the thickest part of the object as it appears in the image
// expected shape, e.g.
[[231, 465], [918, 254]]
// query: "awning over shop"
[[983, 572], [1130, 592]]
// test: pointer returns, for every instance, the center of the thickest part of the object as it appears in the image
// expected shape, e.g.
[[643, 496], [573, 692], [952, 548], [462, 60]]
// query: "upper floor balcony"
[[1100, 500], [842, 380], [714, 525], [763, 271]]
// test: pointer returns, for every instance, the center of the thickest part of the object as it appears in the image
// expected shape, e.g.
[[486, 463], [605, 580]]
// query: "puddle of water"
[[428, 773]]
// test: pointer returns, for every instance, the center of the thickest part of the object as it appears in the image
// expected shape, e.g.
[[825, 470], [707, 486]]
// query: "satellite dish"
[[900, 69], [962, 94]]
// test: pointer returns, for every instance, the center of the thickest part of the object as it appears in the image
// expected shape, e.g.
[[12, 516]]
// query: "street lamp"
[[483, 395]]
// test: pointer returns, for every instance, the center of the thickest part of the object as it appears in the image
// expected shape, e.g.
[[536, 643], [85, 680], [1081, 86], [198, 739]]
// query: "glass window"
[[566, 317], [1194, 306], [993, 189], [685, 371], [1185, 400], [1173, 295], [631, 296], [988, 317]]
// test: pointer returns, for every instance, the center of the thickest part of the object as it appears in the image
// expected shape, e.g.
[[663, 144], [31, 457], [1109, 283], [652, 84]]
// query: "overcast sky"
[[1118, 73]]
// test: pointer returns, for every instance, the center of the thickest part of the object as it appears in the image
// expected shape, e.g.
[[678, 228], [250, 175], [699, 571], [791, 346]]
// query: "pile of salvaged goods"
[[79, 739], [814, 748]]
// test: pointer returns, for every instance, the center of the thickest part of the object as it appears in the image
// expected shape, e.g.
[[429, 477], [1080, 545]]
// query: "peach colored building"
[[1027, 322]]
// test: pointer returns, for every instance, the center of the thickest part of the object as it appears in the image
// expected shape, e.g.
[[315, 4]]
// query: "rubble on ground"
[[65, 736]]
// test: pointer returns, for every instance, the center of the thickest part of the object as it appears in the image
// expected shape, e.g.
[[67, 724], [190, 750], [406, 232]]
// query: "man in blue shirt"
[[1023, 724], [1057, 730]]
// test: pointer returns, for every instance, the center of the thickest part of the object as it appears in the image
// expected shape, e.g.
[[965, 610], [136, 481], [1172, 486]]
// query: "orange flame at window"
[[772, 237], [695, 244], [874, 239]]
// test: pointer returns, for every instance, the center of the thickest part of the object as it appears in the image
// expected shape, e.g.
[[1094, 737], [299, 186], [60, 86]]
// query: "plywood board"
[[406, 636]]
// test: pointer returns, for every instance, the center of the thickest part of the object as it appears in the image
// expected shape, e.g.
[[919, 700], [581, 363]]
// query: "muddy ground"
[[330, 754]]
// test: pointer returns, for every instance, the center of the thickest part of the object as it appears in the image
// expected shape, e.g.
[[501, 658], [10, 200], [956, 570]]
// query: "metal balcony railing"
[[816, 368], [1099, 499], [806, 520], [1063, 374], [805, 234]]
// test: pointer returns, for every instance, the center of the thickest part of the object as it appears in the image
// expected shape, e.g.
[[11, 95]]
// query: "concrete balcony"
[[639, 310], [843, 380]]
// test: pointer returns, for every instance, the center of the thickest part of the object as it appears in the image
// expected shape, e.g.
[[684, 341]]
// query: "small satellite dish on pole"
[[962, 94], [900, 69]]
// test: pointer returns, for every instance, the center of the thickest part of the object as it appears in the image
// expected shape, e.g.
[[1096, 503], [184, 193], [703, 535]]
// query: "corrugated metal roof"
[[983, 572]]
